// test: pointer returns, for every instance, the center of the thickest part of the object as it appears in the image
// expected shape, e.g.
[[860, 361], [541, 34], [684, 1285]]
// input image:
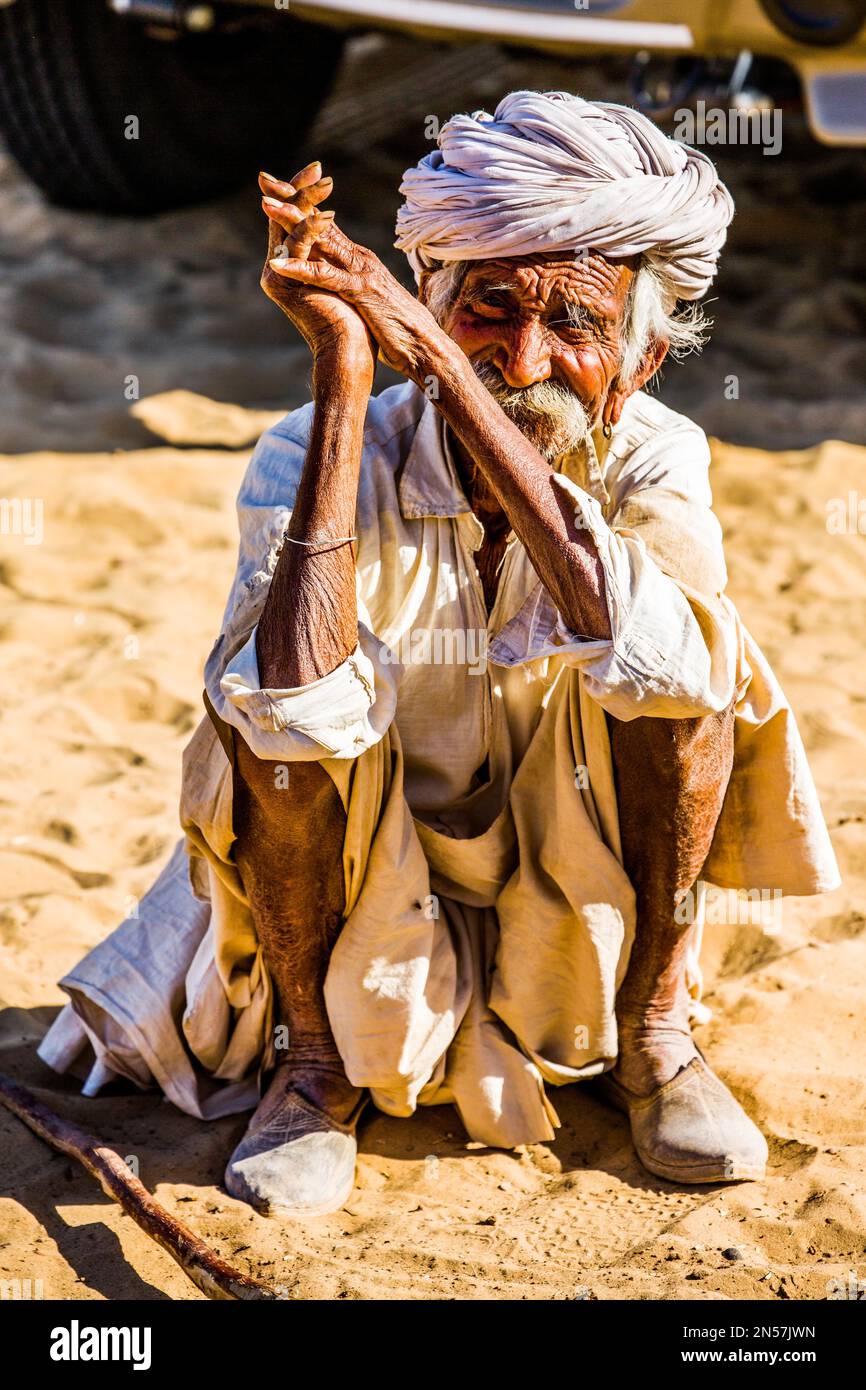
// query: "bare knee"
[[684, 756], [283, 795], [671, 776], [289, 825]]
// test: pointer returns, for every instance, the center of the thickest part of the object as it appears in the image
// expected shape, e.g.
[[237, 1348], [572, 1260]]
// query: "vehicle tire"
[[211, 109], [819, 23]]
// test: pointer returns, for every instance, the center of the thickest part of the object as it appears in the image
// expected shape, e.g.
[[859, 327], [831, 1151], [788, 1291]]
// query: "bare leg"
[[671, 777], [290, 854], [297, 1157]]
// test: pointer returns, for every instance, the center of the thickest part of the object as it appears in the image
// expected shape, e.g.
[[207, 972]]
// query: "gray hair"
[[651, 313]]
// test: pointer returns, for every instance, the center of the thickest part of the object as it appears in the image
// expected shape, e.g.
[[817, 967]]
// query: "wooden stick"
[[207, 1270]]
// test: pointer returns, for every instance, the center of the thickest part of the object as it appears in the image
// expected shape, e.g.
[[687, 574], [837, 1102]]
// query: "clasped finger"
[[302, 238]]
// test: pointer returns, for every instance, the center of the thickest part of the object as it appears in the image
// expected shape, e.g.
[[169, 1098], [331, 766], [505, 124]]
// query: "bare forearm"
[[310, 622], [565, 557]]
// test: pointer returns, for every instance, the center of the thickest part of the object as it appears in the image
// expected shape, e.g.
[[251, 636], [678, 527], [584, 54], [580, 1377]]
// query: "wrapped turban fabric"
[[549, 170]]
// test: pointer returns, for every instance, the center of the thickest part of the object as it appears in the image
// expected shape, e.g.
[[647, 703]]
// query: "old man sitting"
[[481, 720]]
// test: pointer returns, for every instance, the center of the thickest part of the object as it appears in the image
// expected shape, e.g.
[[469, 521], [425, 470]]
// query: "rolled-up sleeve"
[[340, 715], [672, 652]]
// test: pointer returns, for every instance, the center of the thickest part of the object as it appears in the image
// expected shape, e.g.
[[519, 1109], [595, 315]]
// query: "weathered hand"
[[328, 323], [400, 324]]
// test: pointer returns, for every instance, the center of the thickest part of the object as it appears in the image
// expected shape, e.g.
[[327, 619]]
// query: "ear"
[[423, 282], [620, 391]]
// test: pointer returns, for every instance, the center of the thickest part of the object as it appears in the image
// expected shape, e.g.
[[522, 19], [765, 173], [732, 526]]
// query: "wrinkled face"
[[545, 335]]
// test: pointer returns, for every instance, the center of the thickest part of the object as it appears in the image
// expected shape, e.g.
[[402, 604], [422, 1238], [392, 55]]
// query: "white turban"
[[550, 170]]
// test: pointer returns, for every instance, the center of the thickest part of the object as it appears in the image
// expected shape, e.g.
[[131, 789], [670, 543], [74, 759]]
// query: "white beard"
[[552, 417]]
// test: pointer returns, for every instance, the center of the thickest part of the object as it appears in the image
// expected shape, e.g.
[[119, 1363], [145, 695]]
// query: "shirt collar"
[[585, 466], [430, 486]]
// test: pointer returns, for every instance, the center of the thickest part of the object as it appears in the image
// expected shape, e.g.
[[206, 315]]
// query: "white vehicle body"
[[833, 72]]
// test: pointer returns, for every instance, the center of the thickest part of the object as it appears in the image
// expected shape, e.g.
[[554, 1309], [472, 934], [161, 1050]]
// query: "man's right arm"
[[309, 625], [302, 687]]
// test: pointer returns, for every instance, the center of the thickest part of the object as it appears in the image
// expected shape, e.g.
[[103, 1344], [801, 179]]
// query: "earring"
[[607, 429]]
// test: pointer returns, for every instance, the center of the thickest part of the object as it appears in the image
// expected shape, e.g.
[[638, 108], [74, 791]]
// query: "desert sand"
[[106, 625]]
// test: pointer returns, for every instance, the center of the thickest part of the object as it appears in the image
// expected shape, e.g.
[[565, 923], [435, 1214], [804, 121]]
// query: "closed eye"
[[578, 317], [490, 300]]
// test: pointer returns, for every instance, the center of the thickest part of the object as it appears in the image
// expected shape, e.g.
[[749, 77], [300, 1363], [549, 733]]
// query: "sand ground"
[[104, 637], [106, 625]]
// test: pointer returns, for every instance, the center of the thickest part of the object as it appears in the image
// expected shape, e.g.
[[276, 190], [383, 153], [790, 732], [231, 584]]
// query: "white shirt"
[[420, 594]]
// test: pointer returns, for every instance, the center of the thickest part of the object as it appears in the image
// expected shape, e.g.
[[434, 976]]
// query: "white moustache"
[[543, 404]]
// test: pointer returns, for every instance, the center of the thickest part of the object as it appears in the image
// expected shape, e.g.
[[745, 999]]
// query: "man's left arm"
[[649, 584], [563, 552]]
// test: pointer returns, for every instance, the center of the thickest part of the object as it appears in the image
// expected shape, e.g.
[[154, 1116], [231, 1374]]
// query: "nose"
[[523, 359]]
